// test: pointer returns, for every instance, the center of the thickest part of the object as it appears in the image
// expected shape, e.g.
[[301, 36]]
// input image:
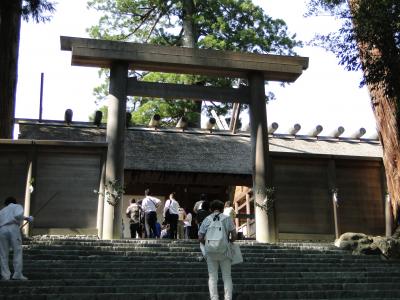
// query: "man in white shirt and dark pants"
[[171, 214], [11, 217], [149, 206]]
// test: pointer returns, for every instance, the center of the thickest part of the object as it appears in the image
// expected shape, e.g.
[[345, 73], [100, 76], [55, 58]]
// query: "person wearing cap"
[[11, 217]]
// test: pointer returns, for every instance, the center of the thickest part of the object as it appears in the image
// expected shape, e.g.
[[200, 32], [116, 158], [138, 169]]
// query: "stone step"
[[173, 243], [201, 267], [195, 281], [383, 272], [204, 295], [135, 264], [144, 247], [193, 262], [99, 274], [251, 257], [178, 249], [169, 288], [48, 254], [88, 268], [180, 243]]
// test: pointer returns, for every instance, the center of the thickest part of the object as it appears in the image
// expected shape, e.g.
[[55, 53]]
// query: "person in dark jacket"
[[202, 213]]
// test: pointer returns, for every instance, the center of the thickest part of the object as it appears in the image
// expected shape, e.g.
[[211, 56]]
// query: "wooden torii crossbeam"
[[120, 57]]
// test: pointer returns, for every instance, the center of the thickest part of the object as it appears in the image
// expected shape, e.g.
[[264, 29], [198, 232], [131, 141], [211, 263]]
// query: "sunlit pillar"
[[265, 221], [116, 139]]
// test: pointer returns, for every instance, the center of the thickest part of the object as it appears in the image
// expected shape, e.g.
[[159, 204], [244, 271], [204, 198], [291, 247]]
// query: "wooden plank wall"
[[13, 172], [303, 196], [303, 190], [71, 169], [361, 205], [303, 203], [74, 176]]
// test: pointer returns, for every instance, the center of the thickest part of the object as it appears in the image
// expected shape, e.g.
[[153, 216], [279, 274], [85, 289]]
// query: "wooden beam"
[[235, 117], [245, 216], [146, 57], [184, 91]]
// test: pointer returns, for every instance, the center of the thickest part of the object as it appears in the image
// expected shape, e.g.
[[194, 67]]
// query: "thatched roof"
[[200, 151]]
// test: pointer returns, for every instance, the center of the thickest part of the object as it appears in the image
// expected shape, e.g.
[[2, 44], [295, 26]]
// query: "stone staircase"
[[87, 268]]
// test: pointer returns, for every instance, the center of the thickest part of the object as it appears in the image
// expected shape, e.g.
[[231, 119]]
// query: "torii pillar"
[[257, 68], [265, 221], [112, 222]]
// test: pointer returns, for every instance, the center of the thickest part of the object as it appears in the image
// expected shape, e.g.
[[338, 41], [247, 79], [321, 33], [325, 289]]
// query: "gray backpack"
[[216, 239]]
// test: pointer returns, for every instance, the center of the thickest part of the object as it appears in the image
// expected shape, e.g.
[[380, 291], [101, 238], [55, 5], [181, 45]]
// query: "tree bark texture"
[[189, 41], [10, 26], [385, 105]]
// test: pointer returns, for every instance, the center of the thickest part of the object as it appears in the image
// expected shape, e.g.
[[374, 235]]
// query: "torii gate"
[[120, 57]]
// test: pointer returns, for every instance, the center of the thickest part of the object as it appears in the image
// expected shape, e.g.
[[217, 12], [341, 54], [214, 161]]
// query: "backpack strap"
[[153, 203], [169, 206], [216, 217]]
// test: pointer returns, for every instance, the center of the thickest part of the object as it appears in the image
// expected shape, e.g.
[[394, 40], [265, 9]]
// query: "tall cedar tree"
[[236, 25], [369, 39], [11, 12]]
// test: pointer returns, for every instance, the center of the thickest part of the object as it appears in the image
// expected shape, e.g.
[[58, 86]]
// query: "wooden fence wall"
[[304, 203], [66, 172]]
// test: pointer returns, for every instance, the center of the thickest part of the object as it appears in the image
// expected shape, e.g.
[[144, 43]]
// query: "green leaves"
[[371, 28], [235, 25], [37, 10]]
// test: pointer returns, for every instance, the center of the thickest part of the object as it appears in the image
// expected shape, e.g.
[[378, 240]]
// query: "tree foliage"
[[377, 27], [37, 10], [236, 25]]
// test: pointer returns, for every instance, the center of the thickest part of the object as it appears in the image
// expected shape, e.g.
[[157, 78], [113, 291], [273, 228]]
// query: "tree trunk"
[[385, 105], [10, 25], [189, 41]]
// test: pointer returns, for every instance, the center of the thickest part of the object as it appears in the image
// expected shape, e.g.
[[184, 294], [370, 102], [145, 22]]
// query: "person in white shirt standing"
[[171, 214], [229, 210], [149, 206], [11, 217], [214, 261]]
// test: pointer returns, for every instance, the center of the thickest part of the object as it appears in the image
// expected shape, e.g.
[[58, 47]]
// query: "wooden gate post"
[[265, 221], [30, 178], [116, 142], [388, 216]]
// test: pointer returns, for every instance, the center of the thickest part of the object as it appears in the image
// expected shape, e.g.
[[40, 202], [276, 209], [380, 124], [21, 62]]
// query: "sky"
[[325, 94]]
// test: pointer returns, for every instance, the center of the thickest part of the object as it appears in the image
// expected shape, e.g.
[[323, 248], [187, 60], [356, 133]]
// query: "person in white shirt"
[[149, 206], [171, 214], [214, 261], [229, 210], [187, 223], [11, 217]]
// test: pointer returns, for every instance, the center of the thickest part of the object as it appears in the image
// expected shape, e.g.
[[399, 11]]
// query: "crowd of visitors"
[[177, 222]]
